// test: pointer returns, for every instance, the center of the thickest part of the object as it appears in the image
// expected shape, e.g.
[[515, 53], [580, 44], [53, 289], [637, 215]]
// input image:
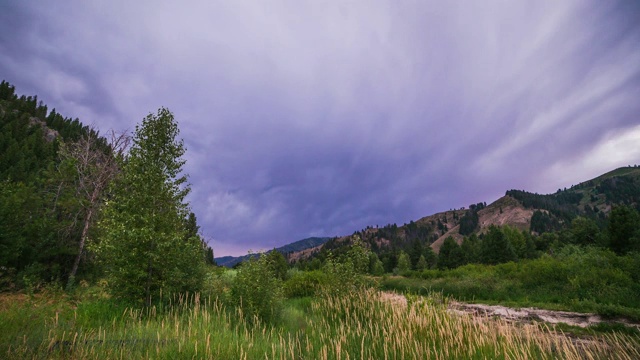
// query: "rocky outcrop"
[[49, 134]]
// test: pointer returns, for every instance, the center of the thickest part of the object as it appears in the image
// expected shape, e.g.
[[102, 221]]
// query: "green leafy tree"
[[522, 242], [421, 264], [375, 265], [416, 250], [585, 231], [277, 263], [358, 254], [346, 273], [404, 262], [257, 290], [144, 245]]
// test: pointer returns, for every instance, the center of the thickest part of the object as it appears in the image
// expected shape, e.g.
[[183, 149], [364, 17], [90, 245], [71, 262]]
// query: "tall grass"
[[361, 325], [577, 279]]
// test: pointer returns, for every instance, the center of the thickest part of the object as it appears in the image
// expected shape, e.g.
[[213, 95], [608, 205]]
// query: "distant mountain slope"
[[504, 211], [518, 208], [297, 246]]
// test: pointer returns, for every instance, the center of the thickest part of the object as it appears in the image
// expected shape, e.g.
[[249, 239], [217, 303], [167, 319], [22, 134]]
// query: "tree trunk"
[[148, 286], [83, 237]]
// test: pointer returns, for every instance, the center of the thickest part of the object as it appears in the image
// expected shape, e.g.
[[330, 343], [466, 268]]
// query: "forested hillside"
[[55, 174], [521, 223], [40, 217]]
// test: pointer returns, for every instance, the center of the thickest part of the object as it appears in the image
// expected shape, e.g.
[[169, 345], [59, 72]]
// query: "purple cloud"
[[317, 119]]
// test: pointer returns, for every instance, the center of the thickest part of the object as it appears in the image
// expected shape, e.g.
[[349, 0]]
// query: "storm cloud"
[[310, 118]]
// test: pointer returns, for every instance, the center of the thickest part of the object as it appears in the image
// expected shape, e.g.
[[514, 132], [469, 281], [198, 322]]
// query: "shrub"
[[257, 290], [305, 283]]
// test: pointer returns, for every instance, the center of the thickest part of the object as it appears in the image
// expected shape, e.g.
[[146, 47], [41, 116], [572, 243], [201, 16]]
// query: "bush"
[[305, 283], [257, 290]]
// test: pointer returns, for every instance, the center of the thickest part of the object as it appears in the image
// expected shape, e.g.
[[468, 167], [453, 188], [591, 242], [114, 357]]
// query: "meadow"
[[576, 279], [361, 324]]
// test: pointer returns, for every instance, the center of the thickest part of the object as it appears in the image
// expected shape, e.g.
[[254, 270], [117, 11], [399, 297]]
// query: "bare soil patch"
[[582, 320]]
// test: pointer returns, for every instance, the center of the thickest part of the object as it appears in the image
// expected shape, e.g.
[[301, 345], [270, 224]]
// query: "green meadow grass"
[[366, 324]]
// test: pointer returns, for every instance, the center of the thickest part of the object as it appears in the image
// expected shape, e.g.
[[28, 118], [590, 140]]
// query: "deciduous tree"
[[144, 244]]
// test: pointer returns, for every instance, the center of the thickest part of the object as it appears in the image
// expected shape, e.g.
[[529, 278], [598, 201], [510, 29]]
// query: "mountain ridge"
[[519, 209], [296, 246]]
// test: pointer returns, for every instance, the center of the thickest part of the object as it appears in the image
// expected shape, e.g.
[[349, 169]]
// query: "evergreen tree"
[[422, 263], [496, 248], [144, 244], [431, 257], [624, 229], [450, 256], [471, 249]]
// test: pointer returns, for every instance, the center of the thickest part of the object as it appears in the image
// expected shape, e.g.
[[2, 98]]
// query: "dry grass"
[[362, 325]]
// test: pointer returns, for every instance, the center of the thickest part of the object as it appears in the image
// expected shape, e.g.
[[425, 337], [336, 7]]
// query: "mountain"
[[294, 247], [525, 211]]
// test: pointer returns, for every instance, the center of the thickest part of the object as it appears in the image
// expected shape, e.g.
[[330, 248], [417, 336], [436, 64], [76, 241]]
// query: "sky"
[[319, 118]]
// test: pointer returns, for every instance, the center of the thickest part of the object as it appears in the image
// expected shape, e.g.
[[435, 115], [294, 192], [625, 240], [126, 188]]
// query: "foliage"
[[469, 221], [143, 244], [451, 255], [361, 325], [470, 248], [40, 227], [277, 264], [346, 273], [257, 290], [542, 222], [375, 265], [404, 263], [624, 229], [585, 231], [305, 283], [85, 171], [576, 278], [496, 247]]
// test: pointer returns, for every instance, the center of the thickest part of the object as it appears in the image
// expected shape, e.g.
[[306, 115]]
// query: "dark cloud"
[[319, 118]]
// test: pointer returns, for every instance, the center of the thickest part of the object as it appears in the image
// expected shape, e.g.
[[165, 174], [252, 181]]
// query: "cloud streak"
[[320, 118]]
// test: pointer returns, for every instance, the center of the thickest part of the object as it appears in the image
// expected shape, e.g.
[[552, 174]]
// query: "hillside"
[[40, 211], [55, 175], [522, 210]]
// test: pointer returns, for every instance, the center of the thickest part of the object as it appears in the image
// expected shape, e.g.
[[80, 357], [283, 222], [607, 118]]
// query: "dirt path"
[[582, 320]]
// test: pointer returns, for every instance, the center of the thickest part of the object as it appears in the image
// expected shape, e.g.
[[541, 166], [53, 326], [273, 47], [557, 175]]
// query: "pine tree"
[[624, 229], [450, 256], [496, 248], [144, 242]]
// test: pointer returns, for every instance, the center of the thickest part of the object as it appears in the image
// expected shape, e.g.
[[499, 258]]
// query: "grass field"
[[589, 280], [362, 325]]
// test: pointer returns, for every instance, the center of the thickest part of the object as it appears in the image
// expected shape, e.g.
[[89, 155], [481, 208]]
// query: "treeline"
[[500, 244], [563, 205], [56, 226], [588, 199]]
